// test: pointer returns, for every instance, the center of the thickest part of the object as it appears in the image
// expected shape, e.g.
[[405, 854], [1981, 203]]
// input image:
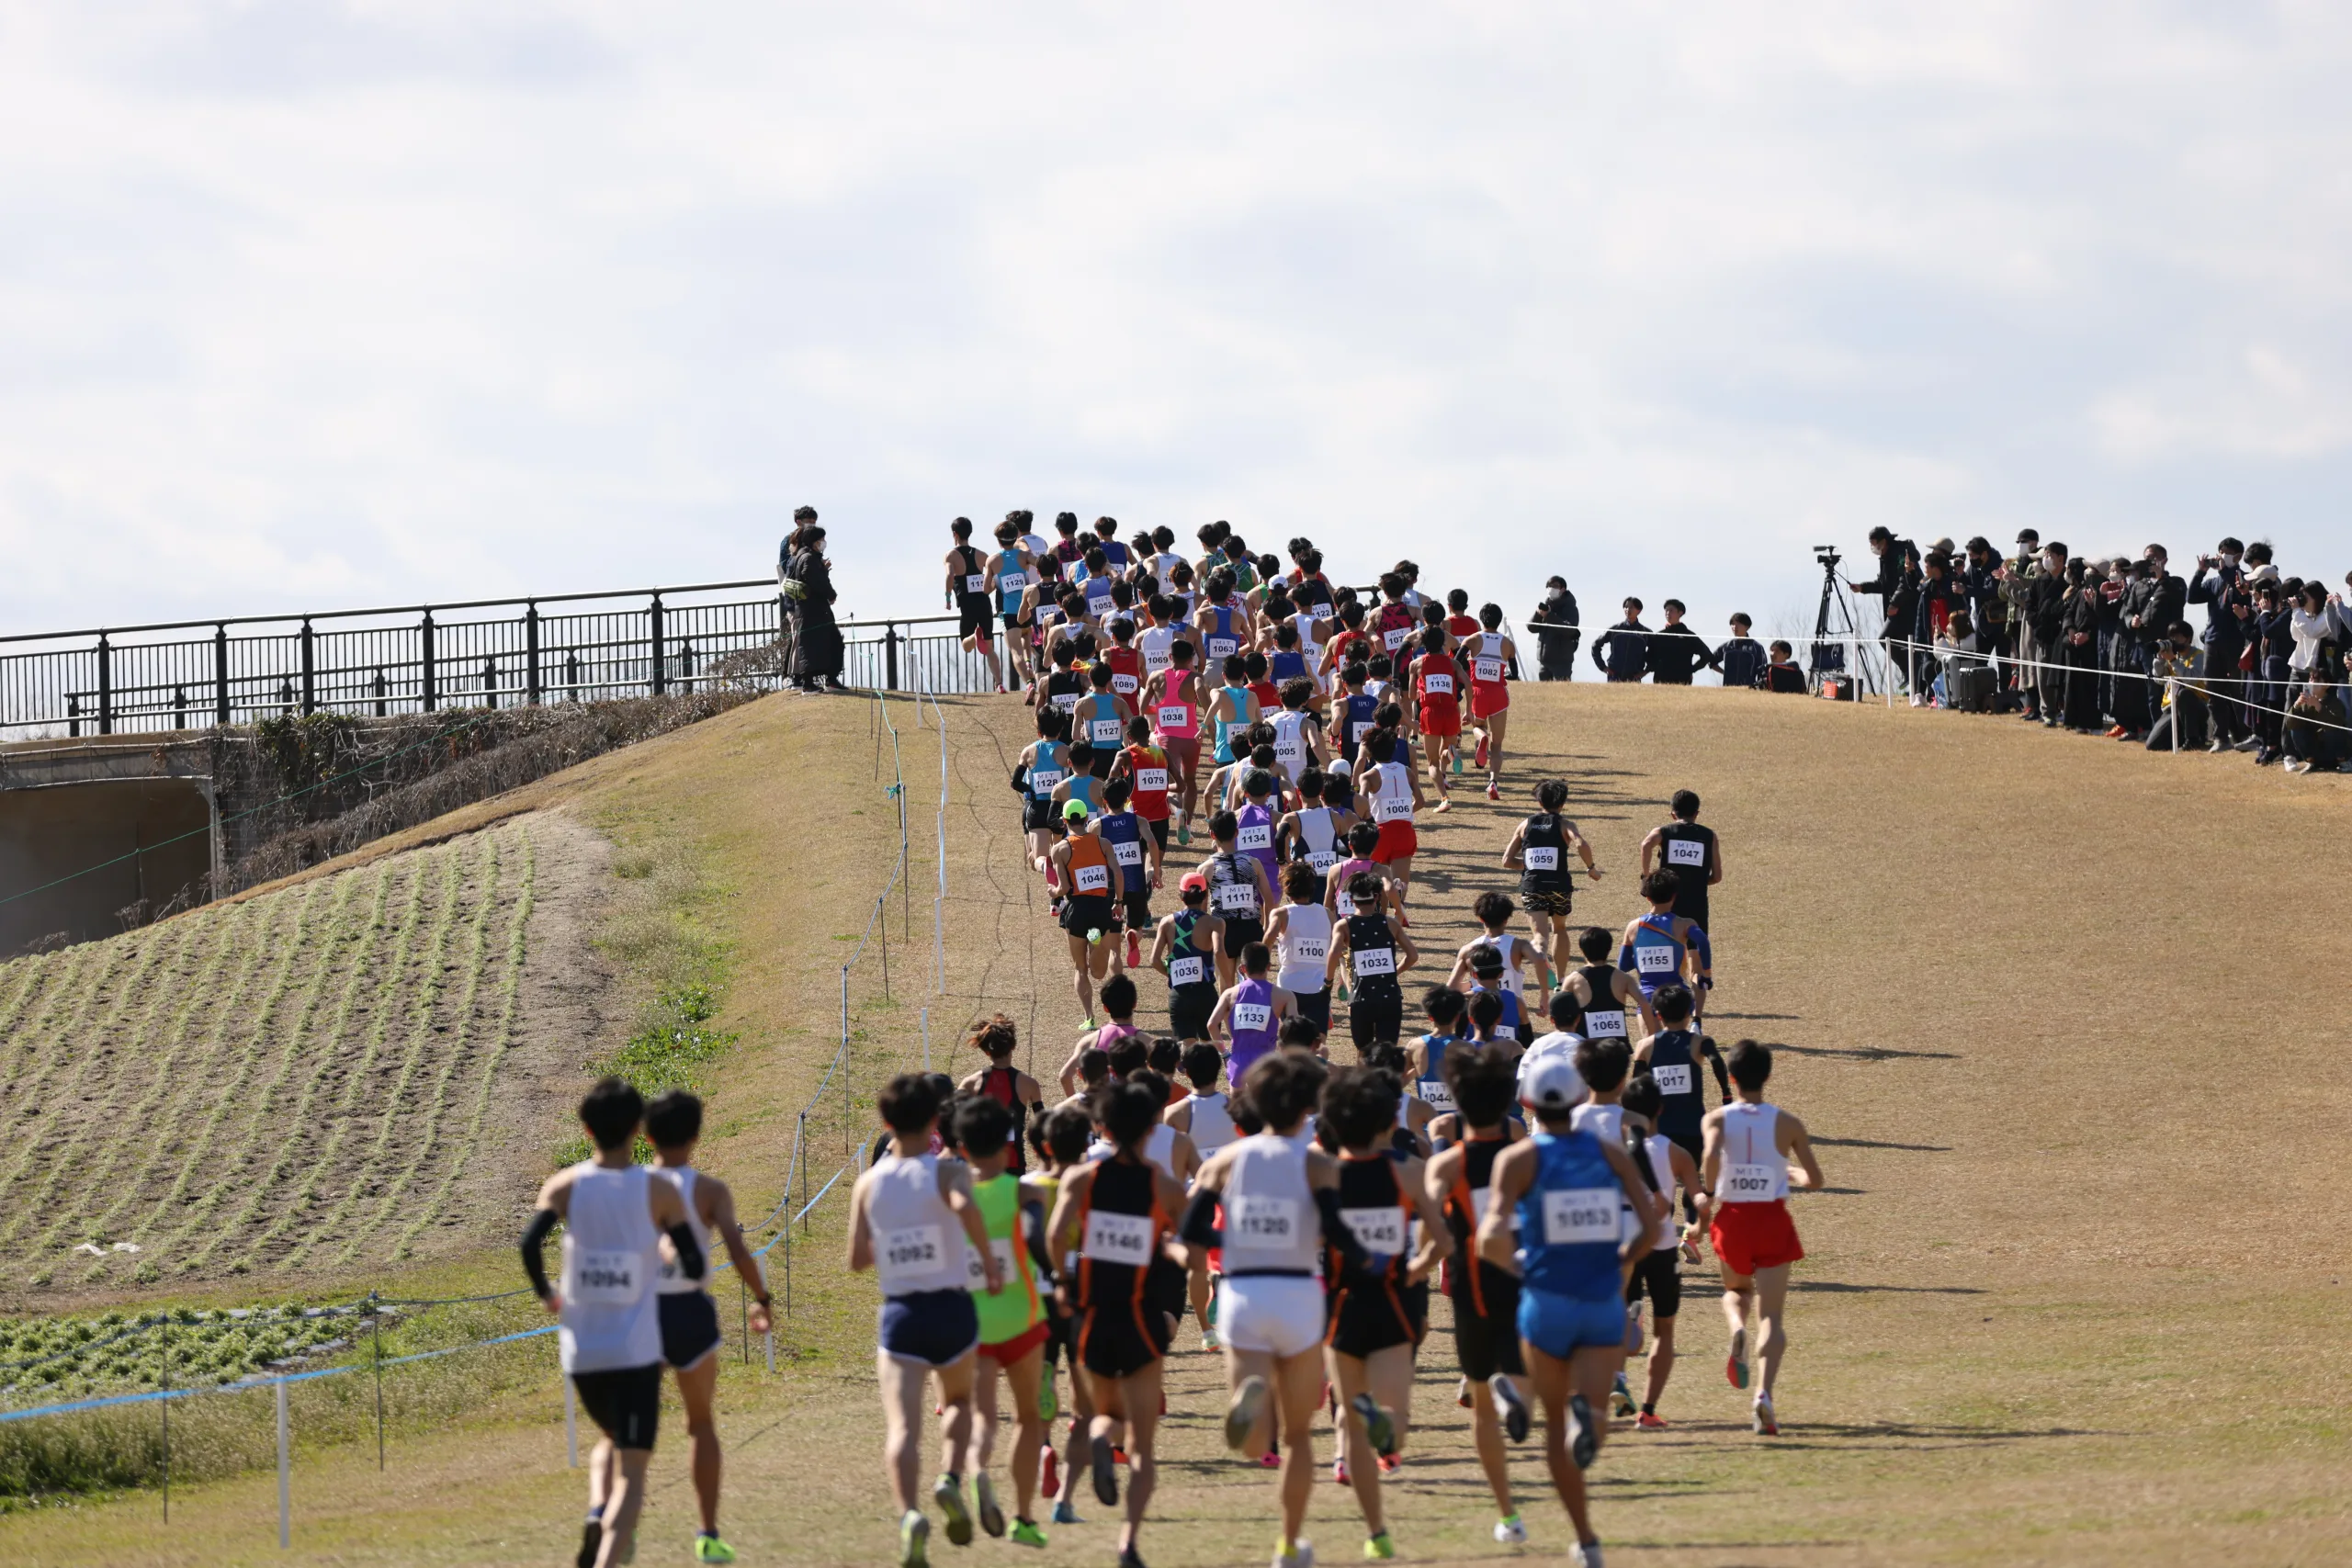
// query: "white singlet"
[[1153, 643], [611, 1257], [1753, 1170], [1606, 1123], [918, 1242], [1271, 1222], [1661, 1152], [1158, 1148], [1390, 788], [1213, 1125], [1320, 837], [1508, 945], [672, 1283], [1305, 944], [1289, 742]]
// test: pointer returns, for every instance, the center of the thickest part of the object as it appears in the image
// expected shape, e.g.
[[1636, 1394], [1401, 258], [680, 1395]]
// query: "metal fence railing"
[[420, 658]]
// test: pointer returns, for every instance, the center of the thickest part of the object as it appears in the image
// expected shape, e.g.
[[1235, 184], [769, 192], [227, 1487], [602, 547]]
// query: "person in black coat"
[[1555, 650], [816, 656], [2045, 614], [2221, 588], [1676, 652], [2078, 646], [1898, 559]]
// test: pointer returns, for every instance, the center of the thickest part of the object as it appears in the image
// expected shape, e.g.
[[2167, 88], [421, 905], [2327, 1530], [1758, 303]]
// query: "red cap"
[[1195, 880]]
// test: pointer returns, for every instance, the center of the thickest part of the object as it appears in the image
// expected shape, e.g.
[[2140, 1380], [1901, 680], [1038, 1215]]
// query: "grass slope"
[[2058, 1308]]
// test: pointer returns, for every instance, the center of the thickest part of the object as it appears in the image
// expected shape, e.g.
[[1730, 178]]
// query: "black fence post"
[[106, 685], [660, 683], [531, 653], [889, 656], [72, 718], [309, 672], [220, 675], [432, 693], [378, 685]]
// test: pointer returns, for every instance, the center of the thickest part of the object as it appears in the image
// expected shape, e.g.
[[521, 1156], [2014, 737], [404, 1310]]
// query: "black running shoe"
[[1106, 1474], [1583, 1442], [592, 1541]]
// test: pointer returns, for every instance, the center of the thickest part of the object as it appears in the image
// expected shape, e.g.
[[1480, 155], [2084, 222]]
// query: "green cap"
[[1074, 810]]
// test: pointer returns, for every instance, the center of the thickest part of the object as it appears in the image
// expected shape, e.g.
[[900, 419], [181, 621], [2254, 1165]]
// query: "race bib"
[[1394, 808], [1254, 1018], [1393, 640], [1487, 669], [1380, 1232], [1375, 960], [1322, 861], [1106, 732], [1344, 903], [1093, 878], [1685, 851], [1151, 781], [1673, 1079], [1659, 960], [610, 1279], [1750, 1183], [975, 1277], [1289, 747], [1545, 859], [1065, 702], [1042, 781], [1128, 855], [1237, 897], [1155, 659], [1118, 1238], [1175, 715], [976, 583], [1123, 683], [1308, 949], [1581, 1215], [1257, 836], [1187, 971], [904, 1254], [1259, 1221], [1437, 685], [1222, 648], [1436, 1093], [1604, 1023], [1013, 582]]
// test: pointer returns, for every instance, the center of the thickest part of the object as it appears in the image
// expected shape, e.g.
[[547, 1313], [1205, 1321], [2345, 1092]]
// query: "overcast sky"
[[304, 306]]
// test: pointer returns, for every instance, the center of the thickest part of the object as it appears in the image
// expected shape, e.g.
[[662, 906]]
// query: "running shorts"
[[1555, 904], [974, 621], [1659, 1278], [1159, 825], [689, 1327], [1093, 911], [1367, 1315], [1120, 1339], [1169, 1288], [1561, 1325], [1375, 1020], [1748, 1236], [1012, 619], [625, 1403], [1006, 1352], [1483, 705], [1099, 765], [1188, 1010], [1240, 932], [932, 1328], [1444, 722], [1281, 1314], [1137, 906], [1486, 1343], [1397, 842], [1315, 1004], [1037, 816]]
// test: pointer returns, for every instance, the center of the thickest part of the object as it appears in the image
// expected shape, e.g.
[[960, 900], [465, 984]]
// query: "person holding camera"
[[2220, 585], [1897, 566], [1556, 631]]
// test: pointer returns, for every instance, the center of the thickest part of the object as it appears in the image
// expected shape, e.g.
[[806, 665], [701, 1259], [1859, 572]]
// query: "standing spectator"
[[1978, 584], [2220, 587], [1741, 661], [2016, 575], [1622, 652], [2133, 645], [815, 661], [2078, 648], [2114, 581], [1931, 606], [1894, 556], [1677, 652], [2272, 652], [1555, 649], [2045, 614]]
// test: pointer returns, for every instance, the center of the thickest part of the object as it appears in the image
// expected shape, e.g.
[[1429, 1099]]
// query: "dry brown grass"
[[2064, 1015]]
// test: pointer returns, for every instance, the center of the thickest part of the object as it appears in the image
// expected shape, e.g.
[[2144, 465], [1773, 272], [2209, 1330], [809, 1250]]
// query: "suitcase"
[[1838, 688], [1972, 689]]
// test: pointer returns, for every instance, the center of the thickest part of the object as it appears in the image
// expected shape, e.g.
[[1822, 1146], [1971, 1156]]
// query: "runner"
[[1490, 656], [1223, 622], [1479, 1084], [1374, 1327], [1671, 1056], [1173, 699], [1080, 785], [1250, 1012], [1158, 635], [996, 1038], [1745, 1172], [1100, 718], [608, 1334], [1254, 825], [905, 1214], [1314, 833], [1039, 771], [689, 1319], [1145, 766], [1061, 1137], [1363, 839], [1298, 731], [967, 595], [1232, 707], [1373, 949], [1662, 948], [1188, 962], [1119, 1006], [1539, 852], [1010, 570], [1693, 853], [1013, 1323], [1204, 1116], [1566, 1188], [1115, 1215], [1438, 707], [1124, 659], [1065, 682], [1271, 1202], [1515, 957], [1301, 932], [1393, 791], [1137, 853], [1660, 1275], [1604, 1065], [1608, 998], [1241, 893], [1394, 624], [1091, 909], [1426, 1055]]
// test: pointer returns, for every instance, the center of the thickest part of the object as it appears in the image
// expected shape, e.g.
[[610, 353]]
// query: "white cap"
[[1552, 1083]]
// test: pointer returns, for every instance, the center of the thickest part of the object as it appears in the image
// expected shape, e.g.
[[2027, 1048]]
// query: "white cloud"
[[305, 305]]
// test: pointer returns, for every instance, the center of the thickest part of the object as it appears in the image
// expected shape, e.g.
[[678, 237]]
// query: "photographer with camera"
[[1896, 586], [1557, 632]]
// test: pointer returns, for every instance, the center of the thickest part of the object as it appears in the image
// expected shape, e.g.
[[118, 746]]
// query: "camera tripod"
[[1834, 617]]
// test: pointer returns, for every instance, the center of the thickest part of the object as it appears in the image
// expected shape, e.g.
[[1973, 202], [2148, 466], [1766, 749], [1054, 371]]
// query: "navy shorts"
[[625, 1403], [937, 1328], [689, 1327]]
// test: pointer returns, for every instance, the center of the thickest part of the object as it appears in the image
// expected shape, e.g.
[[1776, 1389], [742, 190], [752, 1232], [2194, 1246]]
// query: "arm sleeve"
[[1199, 1224], [691, 1262], [535, 1241], [1699, 941], [1021, 778], [1033, 1232]]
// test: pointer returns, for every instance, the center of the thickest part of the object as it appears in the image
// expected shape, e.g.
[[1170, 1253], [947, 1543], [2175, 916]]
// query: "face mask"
[[2230, 560]]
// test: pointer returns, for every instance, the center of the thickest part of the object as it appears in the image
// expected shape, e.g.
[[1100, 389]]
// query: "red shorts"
[[1441, 719], [1397, 842], [1020, 1344], [1749, 1236], [1485, 704]]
